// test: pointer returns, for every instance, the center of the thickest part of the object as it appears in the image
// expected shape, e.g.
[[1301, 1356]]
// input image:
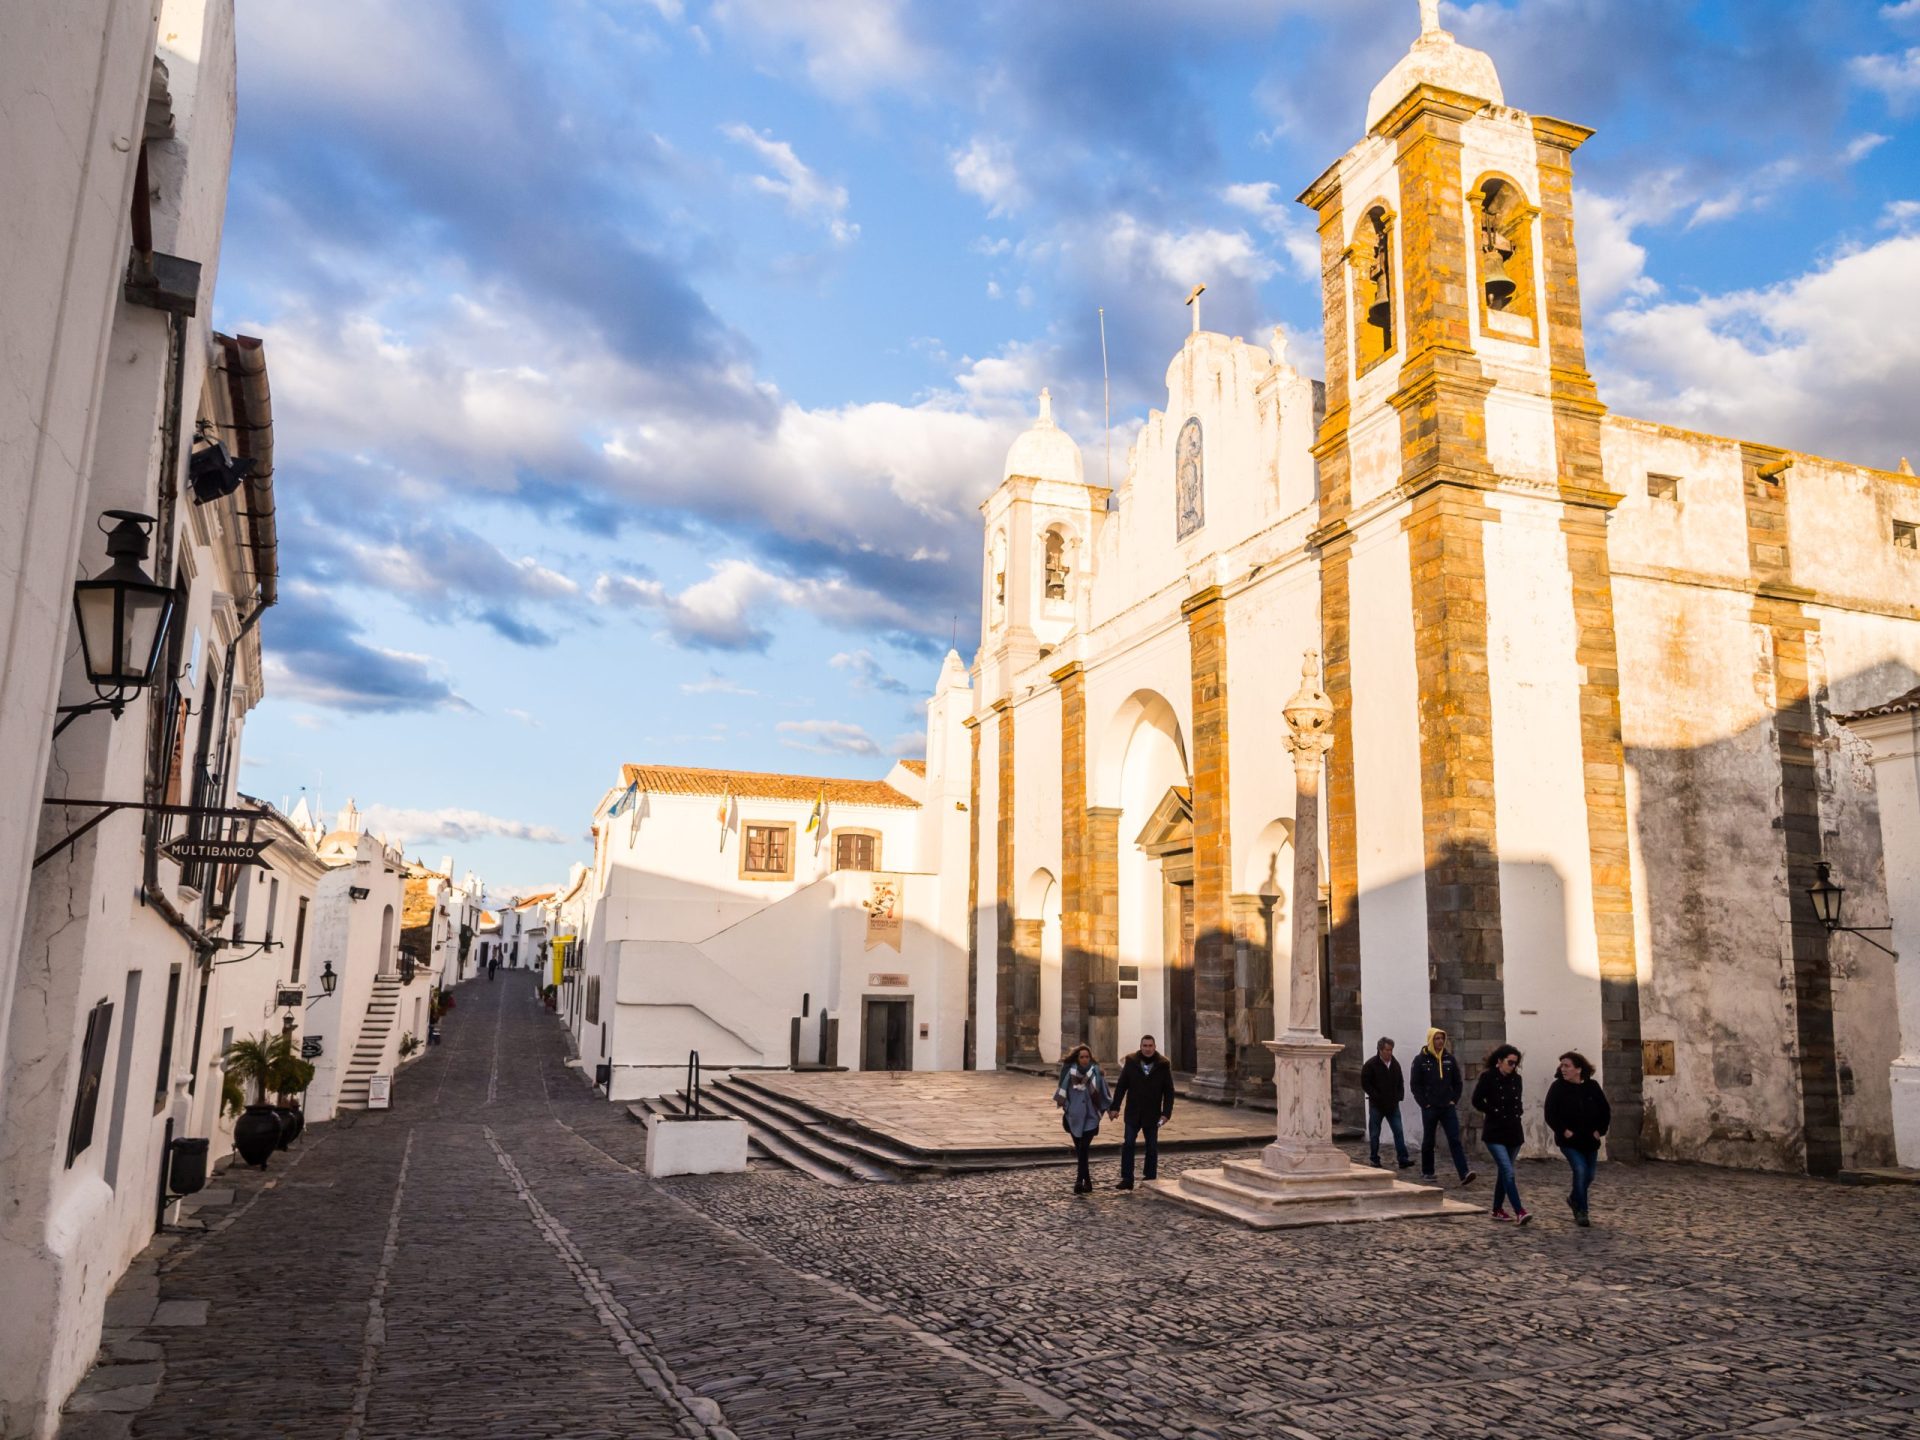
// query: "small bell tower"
[[1040, 528]]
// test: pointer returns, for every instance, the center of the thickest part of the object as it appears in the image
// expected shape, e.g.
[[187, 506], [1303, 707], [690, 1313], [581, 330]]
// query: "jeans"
[[1434, 1118], [1503, 1185], [1150, 1128], [1081, 1145], [1374, 1116], [1583, 1163]]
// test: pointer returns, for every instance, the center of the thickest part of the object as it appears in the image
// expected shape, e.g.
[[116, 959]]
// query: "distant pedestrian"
[[1497, 1096], [1437, 1083], [1083, 1098], [1579, 1114], [1146, 1090], [492, 965], [1385, 1086]]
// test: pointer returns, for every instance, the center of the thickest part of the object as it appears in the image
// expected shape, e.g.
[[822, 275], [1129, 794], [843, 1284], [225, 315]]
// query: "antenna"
[[1106, 390]]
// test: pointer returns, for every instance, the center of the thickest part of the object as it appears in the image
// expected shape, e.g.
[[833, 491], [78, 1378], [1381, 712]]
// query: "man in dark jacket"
[[1385, 1087], [1437, 1086], [1146, 1092]]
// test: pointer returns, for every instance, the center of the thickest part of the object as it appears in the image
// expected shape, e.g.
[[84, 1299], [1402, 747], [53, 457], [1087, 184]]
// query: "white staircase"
[[382, 1009]]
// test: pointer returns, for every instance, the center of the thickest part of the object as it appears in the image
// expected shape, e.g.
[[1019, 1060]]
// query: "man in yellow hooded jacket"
[[1437, 1085]]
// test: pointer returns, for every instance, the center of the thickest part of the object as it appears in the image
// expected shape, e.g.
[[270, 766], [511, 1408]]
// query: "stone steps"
[[1247, 1192], [383, 1009]]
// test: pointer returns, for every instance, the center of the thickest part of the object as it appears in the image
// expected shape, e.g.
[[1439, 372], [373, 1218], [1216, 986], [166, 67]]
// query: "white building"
[[359, 1028], [114, 391], [722, 916], [1585, 671]]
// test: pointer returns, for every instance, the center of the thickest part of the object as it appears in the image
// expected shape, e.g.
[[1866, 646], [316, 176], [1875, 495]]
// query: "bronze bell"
[[1380, 312], [1500, 286]]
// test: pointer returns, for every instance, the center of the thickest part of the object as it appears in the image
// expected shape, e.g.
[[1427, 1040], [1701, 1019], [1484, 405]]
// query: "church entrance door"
[[886, 1035], [1180, 1041]]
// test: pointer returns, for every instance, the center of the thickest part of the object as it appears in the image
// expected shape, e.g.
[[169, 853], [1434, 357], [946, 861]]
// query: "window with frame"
[[856, 850], [1906, 536], [300, 940], [766, 852], [1663, 487], [593, 1000]]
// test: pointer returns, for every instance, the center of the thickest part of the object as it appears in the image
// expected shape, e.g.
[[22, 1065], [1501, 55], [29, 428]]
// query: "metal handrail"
[[693, 1083]]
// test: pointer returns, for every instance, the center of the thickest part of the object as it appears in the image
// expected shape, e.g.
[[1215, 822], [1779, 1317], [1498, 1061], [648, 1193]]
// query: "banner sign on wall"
[[885, 908]]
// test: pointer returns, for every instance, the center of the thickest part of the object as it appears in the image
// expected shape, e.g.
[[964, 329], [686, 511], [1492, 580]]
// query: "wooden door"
[[1181, 1042]]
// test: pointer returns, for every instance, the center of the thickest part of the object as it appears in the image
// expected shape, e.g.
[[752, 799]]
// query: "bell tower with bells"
[[1463, 532]]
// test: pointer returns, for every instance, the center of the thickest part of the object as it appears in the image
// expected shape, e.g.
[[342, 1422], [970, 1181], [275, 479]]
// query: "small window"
[[300, 940], [593, 1000], [1663, 487], [86, 1095], [766, 853], [856, 850], [163, 1082], [1906, 535]]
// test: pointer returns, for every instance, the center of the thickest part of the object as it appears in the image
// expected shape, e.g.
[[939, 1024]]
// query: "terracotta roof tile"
[[1899, 706], [754, 785], [918, 767]]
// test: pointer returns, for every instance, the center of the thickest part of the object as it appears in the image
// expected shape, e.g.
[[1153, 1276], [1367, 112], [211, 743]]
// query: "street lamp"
[[327, 978], [1826, 897], [122, 616]]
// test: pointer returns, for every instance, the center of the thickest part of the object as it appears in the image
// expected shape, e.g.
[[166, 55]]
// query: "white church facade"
[[1586, 671]]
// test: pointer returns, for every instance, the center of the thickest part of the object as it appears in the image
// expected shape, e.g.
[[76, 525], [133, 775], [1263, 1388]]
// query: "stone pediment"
[[1169, 830]]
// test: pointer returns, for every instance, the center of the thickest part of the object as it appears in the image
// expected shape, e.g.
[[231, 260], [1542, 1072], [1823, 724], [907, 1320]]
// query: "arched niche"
[[1373, 264], [1504, 256]]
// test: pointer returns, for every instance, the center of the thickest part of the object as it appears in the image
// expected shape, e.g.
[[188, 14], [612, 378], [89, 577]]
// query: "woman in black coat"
[[1578, 1113], [1497, 1096]]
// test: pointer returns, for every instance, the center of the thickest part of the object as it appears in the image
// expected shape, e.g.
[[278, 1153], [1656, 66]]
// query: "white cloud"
[[1899, 214], [796, 184], [826, 737], [734, 607], [716, 684], [1285, 221], [986, 169], [454, 824], [1613, 264], [1826, 362], [867, 673], [1896, 76], [524, 717], [849, 48]]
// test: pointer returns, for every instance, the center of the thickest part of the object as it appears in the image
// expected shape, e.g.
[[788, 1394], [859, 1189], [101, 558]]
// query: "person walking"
[[1146, 1092], [1385, 1086], [1083, 1098], [1437, 1084], [1578, 1113], [493, 964], [1496, 1095]]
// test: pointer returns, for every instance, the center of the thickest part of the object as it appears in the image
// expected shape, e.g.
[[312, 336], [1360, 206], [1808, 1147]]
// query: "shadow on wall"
[[1766, 1042]]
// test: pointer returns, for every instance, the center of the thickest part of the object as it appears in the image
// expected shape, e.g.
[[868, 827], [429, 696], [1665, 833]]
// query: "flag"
[[726, 805], [813, 820], [633, 830], [625, 800]]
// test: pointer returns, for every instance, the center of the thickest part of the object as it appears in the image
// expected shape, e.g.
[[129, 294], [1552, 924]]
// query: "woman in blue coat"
[[1083, 1098]]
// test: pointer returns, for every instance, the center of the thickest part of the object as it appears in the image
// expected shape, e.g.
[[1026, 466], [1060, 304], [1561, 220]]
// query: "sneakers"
[[1375, 1163], [1520, 1217], [1124, 1185], [1501, 1215], [1469, 1177], [1406, 1164], [1580, 1219]]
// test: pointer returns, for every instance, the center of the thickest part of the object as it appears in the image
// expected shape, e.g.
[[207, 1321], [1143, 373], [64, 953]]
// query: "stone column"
[[1003, 890], [1075, 900], [1213, 947], [1103, 929], [1302, 1056]]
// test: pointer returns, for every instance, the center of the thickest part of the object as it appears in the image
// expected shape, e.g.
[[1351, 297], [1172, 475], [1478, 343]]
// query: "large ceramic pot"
[[292, 1122], [256, 1134]]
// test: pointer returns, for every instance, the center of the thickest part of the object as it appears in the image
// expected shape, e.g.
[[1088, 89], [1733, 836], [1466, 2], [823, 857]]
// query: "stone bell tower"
[[1463, 522]]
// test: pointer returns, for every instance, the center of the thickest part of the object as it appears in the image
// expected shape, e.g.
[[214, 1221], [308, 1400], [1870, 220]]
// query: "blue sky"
[[639, 365]]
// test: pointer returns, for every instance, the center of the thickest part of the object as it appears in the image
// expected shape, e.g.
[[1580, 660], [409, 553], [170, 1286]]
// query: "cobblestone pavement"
[[485, 1261]]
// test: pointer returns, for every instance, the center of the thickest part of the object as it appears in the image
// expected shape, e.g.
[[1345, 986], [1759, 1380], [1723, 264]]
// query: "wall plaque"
[[1656, 1058], [878, 981]]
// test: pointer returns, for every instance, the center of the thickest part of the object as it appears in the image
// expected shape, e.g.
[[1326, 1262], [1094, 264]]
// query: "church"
[[1588, 673], [1593, 678]]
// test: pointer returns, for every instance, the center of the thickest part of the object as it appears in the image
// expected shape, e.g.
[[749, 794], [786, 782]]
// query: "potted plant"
[[251, 1062], [290, 1079], [409, 1042]]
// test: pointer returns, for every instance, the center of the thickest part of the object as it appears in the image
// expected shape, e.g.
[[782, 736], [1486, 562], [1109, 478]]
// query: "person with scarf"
[[1497, 1096], [1437, 1084], [1578, 1114], [1146, 1091], [1083, 1098]]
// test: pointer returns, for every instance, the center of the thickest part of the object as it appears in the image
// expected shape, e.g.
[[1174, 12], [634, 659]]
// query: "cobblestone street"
[[485, 1260]]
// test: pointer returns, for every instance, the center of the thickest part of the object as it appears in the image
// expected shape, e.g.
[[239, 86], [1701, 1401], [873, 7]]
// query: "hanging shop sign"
[[187, 850]]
